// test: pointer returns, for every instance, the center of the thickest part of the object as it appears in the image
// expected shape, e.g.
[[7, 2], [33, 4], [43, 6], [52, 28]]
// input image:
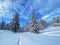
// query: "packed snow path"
[[19, 42]]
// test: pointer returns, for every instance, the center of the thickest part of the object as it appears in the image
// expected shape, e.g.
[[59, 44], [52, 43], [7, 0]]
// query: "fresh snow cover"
[[8, 37], [49, 36]]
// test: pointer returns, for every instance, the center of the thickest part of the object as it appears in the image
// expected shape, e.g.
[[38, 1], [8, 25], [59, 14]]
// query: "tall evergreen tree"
[[3, 25], [14, 25], [26, 28], [7, 25], [33, 24], [0, 25]]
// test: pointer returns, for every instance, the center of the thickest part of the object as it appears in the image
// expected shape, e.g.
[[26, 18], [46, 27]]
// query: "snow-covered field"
[[49, 36], [8, 38]]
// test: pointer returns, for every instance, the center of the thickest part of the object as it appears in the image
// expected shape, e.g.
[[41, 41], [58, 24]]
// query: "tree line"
[[13, 25], [32, 26], [35, 26]]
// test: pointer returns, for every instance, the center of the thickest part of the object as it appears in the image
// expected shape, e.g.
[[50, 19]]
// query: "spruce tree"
[[14, 24], [26, 28], [33, 24], [3, 25]]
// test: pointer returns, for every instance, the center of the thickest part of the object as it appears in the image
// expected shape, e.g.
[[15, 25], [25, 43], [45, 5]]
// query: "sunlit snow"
[[49, 36]]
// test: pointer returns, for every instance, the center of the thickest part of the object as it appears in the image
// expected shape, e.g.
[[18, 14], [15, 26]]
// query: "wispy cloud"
[[46, 8], [46, 16], [4, 7]]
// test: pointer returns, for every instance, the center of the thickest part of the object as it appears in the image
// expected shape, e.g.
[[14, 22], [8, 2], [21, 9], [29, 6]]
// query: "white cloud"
[[46, 16], [4, 8]]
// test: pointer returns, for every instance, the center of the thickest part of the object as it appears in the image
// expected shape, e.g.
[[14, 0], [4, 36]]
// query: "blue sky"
[[44, 9]]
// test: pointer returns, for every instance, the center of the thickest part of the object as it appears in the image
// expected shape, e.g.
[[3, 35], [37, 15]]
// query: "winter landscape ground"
[[49, 36]]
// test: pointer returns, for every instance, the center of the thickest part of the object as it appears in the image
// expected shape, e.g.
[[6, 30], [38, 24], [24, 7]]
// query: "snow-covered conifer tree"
[[33, 24], [42, 24], [14, 24], [3, 25], [26, 28]]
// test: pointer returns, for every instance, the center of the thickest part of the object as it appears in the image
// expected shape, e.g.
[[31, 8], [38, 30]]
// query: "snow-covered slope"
[[8, 38], [50, 36]]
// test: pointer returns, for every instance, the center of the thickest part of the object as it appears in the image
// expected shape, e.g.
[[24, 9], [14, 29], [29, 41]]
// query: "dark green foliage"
[[3, 25]]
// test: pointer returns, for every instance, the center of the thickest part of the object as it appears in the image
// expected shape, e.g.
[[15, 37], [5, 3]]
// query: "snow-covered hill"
[[49, 36]]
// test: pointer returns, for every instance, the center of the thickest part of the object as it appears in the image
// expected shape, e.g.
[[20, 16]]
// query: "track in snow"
[[19, 42]]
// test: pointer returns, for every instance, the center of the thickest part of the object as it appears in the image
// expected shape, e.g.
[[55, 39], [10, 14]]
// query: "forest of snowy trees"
[[32, 26], [13, 25]]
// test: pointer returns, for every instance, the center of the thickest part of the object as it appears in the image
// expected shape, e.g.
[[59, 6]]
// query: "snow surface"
[[8, 38], [49, 36]]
